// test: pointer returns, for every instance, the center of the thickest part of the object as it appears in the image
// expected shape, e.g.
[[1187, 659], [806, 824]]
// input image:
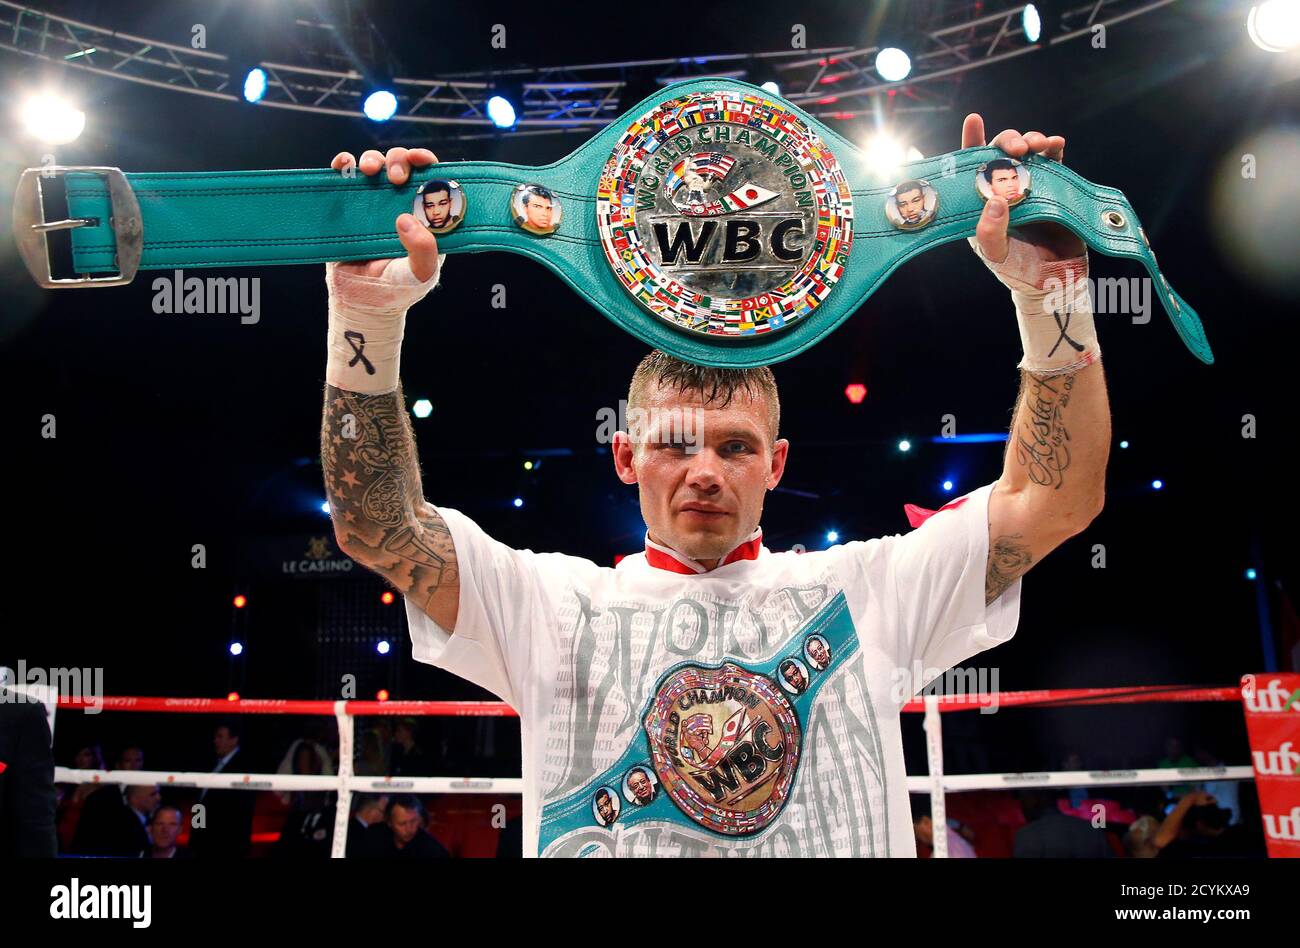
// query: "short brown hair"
[[714, 385]]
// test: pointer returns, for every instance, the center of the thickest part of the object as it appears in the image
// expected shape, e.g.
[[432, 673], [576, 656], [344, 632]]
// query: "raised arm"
[[372, 476], [1054, 472]]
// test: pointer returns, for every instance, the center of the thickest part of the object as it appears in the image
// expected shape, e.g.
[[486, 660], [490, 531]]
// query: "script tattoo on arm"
[[1041, 438], [1009, 559], [372, 479]]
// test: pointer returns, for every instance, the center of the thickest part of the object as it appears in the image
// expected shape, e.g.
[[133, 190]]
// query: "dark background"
[[177, 430]]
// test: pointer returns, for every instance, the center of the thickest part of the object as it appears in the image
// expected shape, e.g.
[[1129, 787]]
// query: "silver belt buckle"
[[30, 227]]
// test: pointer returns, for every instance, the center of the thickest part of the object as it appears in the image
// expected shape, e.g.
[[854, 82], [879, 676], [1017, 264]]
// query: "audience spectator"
[[130, 758], [88, 757], [27, 799], [1197, 827], [1225, 792], [163, 830], [227, 824], [1140, 840], [308, 828], [1050, 833], [304, 757], [1177, 756], [402, 835], [1073, 760], [370, 760], [368, 812], [113, 821], [406, 758], [923, 826]]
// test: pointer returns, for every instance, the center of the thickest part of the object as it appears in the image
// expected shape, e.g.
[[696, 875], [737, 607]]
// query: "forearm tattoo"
[[372, 479], [1009, 558], [1041, 439]]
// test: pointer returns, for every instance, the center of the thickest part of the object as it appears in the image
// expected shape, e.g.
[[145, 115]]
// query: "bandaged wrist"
[[1053, 308], [367, 320]]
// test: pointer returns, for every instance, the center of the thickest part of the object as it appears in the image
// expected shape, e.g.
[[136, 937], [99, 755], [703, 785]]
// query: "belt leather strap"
[[622, 184]]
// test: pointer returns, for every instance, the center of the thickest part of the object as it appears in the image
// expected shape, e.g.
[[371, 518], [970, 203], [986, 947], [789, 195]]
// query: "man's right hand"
[[421, 246]]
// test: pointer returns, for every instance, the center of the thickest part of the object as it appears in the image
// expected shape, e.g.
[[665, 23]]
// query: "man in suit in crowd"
[[227, 826], [26, 779]]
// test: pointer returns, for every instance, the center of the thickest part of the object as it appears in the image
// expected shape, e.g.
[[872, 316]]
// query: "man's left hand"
[[1050, 241]]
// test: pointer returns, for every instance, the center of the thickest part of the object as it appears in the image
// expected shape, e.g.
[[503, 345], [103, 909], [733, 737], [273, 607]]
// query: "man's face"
[[818, 652], [223, 741], [924, 830], [539, 212], [437, 208], [164, 829], [605, 806], [911, 205], [703, 471], [404, 823], [794, 677], [640, 785], [374, 812], [1006, 184], [144, 799], [131, 758]]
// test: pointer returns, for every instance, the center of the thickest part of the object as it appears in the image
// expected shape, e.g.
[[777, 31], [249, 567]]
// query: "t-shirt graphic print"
[[748, 711]]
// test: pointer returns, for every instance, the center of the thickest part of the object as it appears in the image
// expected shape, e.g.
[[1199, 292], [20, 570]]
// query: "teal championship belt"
[[714, 220]]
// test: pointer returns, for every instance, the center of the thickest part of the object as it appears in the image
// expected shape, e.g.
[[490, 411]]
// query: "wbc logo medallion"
[[725, 215], [724, 743]]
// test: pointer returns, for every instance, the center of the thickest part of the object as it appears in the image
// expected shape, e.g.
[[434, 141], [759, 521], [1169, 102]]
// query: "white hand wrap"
[[367, 319], [1052, 306]]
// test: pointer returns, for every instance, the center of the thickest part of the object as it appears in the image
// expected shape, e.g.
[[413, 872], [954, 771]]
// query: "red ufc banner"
[[1272, 705]]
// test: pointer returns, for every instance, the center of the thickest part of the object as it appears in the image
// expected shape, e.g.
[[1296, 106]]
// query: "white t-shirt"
[[749, 710]]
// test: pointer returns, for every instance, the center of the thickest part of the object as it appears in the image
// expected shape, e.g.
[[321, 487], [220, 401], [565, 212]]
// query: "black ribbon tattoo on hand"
[[354, 337], [1063, 326]]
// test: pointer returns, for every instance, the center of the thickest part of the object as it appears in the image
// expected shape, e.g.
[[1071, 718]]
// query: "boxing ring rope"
[[345, 782]]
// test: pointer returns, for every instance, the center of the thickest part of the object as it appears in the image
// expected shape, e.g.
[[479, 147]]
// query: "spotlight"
[[832, 536], [905, 445], [1123, 444], [240, 601], [380, 105], [52, 119], [381, 694], [382, 647], [1156, 485], [236, 648], [947, 485], [519, 501], [386, 597], [255, 84], [885, 155], [1031, 23], [855, 392], [1251, 574], [325, 506], [232, 696], [501, 112], [893, 64], [422, 408], [771, 87], [1274, 26], [528, 465]]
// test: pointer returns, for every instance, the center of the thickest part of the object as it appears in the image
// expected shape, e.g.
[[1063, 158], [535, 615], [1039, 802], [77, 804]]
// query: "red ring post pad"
[[714, 220]]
